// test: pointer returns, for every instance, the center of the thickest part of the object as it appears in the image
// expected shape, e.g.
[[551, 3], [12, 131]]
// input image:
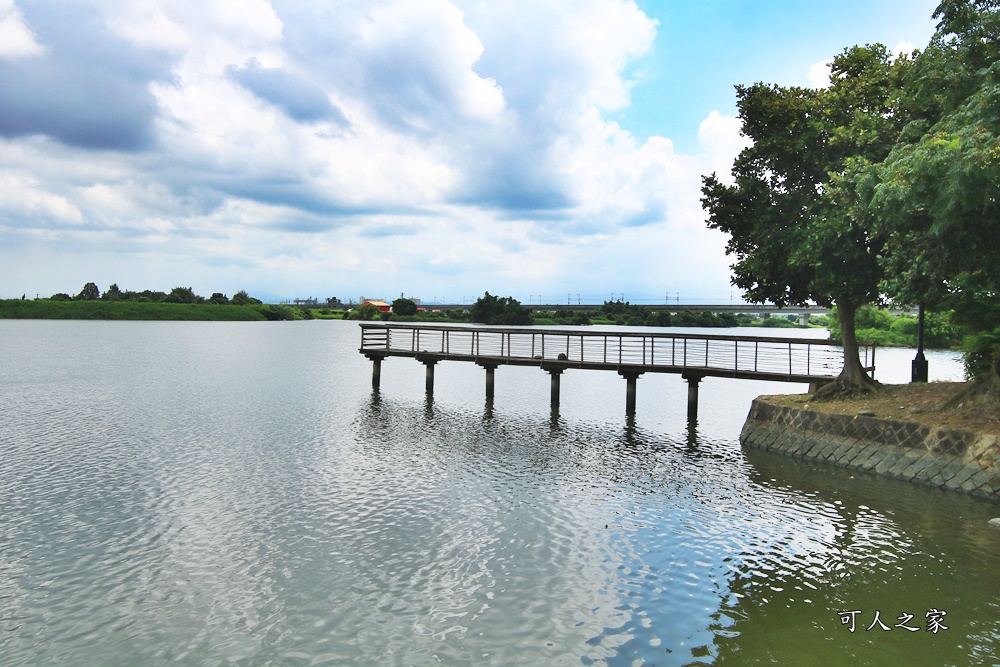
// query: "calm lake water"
[[233, 494]]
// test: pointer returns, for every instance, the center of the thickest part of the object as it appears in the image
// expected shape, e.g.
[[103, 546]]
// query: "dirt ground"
[[922, 403]]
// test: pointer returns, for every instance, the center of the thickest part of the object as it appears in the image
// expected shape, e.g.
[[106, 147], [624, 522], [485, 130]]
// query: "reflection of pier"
[[629, 353]]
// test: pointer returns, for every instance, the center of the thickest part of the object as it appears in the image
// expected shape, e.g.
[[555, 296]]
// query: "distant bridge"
[[757, 309]]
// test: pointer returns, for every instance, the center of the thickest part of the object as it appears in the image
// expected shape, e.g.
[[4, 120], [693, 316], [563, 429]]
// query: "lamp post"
[[918, 369]]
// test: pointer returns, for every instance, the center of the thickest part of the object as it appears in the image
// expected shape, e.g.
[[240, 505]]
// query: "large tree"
[[489, 309], [797, 228], [89, 293], [937, 195]]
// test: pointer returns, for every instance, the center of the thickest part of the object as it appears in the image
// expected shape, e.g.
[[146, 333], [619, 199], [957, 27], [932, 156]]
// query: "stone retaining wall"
[[946, 458]]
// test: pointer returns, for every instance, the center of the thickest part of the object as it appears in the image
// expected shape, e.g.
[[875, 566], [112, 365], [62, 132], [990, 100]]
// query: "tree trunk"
[[853, 380]]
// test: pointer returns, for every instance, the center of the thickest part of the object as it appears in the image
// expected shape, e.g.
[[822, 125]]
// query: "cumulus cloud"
[[86, 89], [16, 38], [435, 139], [819, 73], [296, 96], [903, 48]]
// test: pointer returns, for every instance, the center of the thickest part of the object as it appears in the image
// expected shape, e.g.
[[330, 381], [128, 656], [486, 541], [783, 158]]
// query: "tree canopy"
[[884, 185], [936, 194], [405, 307], [797, 230], [89, 293], [489, 309]]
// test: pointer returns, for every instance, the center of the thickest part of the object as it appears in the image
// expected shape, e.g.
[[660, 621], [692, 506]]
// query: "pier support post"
[[490, 371], [804, 320], [376, 360], [554, 391], [429, 381], [630, 387], [692, 380]]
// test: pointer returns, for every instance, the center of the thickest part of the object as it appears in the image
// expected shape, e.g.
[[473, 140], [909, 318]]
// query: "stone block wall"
[[946, 458]]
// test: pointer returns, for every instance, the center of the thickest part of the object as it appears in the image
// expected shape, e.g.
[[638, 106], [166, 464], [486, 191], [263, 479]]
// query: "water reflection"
[[706, 558]]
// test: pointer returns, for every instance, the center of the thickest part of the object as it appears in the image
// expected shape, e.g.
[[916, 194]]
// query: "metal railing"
[[747, 355]]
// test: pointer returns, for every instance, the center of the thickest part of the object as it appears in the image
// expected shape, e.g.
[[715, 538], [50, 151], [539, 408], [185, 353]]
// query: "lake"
[[234, 494]]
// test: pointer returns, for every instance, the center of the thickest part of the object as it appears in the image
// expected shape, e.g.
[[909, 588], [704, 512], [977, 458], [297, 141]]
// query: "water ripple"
[[197, 508]]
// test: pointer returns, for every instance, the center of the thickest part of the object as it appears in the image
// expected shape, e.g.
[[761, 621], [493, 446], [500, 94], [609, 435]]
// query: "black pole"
[[918, 369]]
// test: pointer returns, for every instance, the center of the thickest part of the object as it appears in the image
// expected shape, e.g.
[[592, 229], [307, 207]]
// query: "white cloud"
[[721, 139], [16, 38], [903, 48], [23, 195], [178, 26], [819, 73], [390, 143]]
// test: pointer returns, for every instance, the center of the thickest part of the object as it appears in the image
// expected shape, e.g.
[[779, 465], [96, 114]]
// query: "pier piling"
[[693, 380], [630, 389], [554, 392], [490, 375], [429, 375], [376, 360]]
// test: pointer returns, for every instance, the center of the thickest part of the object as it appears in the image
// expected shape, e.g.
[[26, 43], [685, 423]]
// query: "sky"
[[550, 150]]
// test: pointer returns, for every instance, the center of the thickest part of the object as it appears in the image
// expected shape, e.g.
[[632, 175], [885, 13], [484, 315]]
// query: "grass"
[[44, 309]]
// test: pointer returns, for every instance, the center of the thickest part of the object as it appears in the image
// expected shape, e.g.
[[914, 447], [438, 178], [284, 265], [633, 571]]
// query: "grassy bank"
[[44, 309]]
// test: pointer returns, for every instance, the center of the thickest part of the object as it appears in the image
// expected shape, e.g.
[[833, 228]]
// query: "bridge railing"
[[736, 354]]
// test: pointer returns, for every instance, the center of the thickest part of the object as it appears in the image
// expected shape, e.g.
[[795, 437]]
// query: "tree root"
[[840, 389]]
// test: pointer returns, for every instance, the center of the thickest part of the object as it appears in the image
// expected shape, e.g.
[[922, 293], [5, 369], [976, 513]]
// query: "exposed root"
[[841, 389]]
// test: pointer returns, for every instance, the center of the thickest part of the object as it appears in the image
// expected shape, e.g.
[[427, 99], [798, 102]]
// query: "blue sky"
[[703, 48], [429, 147]]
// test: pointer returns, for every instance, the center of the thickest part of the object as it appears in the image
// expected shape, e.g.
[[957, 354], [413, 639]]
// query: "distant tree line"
[[90, 292]]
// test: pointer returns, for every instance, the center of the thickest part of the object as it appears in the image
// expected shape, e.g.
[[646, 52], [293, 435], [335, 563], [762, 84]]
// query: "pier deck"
[[629, 353]]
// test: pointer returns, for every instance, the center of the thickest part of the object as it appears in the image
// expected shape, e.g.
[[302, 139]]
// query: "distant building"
[[382, 306]]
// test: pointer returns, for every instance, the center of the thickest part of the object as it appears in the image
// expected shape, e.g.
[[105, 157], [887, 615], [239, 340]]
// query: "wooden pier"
[[629, 353]]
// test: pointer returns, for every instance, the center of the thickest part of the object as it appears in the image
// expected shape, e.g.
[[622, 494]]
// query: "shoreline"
[[943, 456]]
